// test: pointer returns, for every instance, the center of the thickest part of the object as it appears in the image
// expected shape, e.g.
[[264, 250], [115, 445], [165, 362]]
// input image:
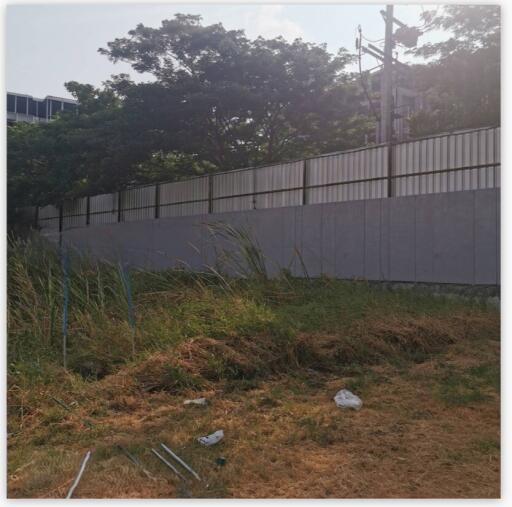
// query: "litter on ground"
[[211, 439], [346, 399], [196, 401]]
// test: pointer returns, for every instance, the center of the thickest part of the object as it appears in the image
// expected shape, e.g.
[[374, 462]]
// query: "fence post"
[[157, 200], [61, 217], [254, 190], [87, 210], [119, 203], [210, 193], [390, 169], [60, 224], [305, 177]]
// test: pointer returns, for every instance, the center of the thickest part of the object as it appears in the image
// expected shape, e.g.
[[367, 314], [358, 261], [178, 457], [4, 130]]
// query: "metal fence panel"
[[183, 198], [328, 176], [138, 203], [48, 218], [279, 177], [438, 155], [104, 209], [74, 213], [231, 184], [467, 160]]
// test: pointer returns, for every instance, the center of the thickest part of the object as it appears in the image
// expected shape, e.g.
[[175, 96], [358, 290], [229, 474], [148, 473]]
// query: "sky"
[[47, 45]]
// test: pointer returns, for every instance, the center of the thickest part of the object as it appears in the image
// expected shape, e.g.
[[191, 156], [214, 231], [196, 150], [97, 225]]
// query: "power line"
[[378, 41], [363, 83]]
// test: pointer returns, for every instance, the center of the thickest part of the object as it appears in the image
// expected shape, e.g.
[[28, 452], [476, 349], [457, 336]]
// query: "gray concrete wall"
[[441, 238]]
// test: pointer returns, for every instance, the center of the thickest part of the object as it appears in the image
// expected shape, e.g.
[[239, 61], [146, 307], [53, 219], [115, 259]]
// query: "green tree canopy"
[[461, 83], [238, 102], [218, 101]]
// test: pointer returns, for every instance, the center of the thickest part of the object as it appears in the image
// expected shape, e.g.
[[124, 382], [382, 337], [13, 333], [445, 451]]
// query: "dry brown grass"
[[284, 435]]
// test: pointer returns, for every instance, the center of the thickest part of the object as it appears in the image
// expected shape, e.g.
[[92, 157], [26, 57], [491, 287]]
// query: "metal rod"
[[79, 476], [172, 467], [180, 461], [60, 225], [68, 408], [61, 403], [65, 290], [135, 461]]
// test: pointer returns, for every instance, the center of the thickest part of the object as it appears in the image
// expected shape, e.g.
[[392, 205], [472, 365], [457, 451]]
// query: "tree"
[[462, 82], [237, 102], [219, 101]]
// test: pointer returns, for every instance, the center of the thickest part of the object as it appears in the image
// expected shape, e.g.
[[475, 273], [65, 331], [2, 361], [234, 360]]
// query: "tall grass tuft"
[[237, 251], [35, 304]]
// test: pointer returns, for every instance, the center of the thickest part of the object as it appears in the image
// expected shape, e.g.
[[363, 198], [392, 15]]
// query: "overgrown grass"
[[214, 333], [468, 386], [174, 306]]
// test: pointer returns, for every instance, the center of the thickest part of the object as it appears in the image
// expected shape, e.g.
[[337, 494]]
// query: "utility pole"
[[407, 37], [386, 82]]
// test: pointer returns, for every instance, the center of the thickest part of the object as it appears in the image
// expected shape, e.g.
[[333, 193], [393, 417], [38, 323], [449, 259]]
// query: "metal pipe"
[[79, 476], [172, 467], [180, 461]]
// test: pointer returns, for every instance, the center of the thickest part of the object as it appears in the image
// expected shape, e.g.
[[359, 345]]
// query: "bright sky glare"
[[48, 45]]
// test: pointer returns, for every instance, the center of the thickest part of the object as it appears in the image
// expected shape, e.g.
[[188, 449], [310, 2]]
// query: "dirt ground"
[[430, 429]]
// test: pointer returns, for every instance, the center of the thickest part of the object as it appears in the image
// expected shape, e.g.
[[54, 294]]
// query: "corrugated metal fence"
[[466, 160]]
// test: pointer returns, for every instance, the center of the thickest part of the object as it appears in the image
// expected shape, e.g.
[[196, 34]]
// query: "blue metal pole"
[[65, 292]]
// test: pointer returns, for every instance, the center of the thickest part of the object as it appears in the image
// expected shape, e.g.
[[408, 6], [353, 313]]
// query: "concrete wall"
[[442, 238]]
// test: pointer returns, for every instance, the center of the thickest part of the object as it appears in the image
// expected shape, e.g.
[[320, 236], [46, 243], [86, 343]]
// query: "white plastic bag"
[[211, 439], [346, 399], [196, 401]]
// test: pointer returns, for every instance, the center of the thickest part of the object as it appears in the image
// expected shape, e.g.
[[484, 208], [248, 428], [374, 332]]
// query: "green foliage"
[[324, 430], [469, 386], [219, 101], [472, 27], [238, 102], [461, 85]]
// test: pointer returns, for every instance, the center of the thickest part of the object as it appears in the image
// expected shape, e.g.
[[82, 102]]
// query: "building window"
[[56, 107], [32, 107], [21, 105], [41, 109], [11, 103]]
